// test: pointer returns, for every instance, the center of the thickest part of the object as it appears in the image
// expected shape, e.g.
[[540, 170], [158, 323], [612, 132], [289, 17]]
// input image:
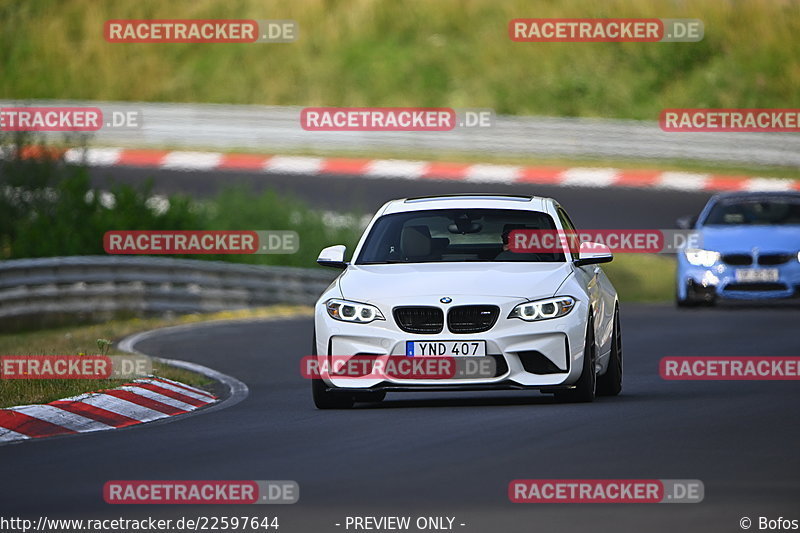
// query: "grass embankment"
[[410, 53], [83, 339]]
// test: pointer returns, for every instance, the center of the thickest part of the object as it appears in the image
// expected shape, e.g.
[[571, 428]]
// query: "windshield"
[[776, 211], [452, 235]]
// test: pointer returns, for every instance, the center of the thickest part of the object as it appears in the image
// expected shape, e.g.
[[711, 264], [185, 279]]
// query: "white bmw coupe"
[[434, 277]]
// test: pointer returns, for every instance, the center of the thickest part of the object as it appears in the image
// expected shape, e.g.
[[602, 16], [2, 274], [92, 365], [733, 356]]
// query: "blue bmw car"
[[749, 249]]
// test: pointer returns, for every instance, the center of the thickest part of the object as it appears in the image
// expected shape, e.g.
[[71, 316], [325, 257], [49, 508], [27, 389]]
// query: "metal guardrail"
[[102, 286], [273, 129]]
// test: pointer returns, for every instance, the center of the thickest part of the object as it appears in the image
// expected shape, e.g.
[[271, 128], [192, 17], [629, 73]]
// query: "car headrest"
[[416, 241]]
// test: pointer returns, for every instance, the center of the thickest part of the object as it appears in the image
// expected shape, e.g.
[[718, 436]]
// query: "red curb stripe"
[[451, 171], [144, 402], [30, 426], [186, 387], [169, 393], [726, 183], [142, 158], [243, 162], [96, 413], [344, 166], [541, 175], [637, 178]]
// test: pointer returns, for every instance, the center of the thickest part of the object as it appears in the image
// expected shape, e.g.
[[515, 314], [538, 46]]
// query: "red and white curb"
[[427, 170], [142, 400]]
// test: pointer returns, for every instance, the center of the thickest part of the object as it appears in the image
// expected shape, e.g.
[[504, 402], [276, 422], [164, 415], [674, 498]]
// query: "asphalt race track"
[[590, 208], [453, 454]]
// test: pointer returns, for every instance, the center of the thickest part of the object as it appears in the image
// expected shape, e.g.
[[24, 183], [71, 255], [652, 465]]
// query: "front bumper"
[[528, 355], [719, 282]]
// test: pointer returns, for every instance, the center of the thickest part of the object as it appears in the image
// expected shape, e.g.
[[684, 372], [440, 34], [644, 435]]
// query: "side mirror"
[[592, 253], [687, 222], [333, 256]]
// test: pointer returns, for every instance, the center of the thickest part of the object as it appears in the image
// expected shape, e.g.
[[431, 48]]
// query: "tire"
[[324, 398], [585, 389], [684, 303], [610, 383]]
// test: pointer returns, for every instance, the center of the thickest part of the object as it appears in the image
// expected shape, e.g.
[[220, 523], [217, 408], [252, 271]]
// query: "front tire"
[[610, 383], [585, 388]]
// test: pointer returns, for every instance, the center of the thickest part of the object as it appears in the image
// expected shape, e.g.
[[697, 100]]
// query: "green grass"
[[410, 53], [75, 340], [642, 277]]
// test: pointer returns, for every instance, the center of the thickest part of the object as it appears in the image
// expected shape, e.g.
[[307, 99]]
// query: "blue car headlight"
[[348, 311], [698, 257]]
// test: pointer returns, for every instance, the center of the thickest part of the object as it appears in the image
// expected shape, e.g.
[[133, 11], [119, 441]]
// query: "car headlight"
[[698, 257], [348, 311], [543, 309], [798, 257]]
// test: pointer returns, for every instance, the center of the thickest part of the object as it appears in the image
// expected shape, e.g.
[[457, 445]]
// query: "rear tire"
[[324, 398], [610, 383], [586, 387]]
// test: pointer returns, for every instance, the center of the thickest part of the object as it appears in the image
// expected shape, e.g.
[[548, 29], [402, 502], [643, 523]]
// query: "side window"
[[568, 226]]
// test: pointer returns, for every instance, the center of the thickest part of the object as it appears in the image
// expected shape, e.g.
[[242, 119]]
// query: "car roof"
[[468, 200], [735, 195]]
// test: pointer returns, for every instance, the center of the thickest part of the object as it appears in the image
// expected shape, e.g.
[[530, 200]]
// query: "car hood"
[[745, 238], [516, 280]]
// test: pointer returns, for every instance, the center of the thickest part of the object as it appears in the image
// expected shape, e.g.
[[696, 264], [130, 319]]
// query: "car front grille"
[[419, 319], [472, 318], [737, 259], [774, 259]]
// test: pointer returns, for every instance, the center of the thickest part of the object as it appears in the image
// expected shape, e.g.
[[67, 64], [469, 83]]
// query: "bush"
[[49, 208]]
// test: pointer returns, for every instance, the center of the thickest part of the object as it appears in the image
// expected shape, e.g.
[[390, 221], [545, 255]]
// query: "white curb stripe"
[[192, 160], [62, 418], [99, 157], [184, 385], [159, 398], [493, 173], [6, 435], [124, 407], [684, 181], [589, 177], [173, 388], [395, 168], [766, 184], [294, 165]]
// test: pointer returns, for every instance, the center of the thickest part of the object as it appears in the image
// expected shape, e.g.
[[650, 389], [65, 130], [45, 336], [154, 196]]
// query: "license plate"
[[756, 274], [445, 348]]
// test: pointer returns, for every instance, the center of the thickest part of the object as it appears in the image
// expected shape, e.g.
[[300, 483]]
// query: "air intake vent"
[[472, 318], [774, 259], [737, 259], [419, 319]]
